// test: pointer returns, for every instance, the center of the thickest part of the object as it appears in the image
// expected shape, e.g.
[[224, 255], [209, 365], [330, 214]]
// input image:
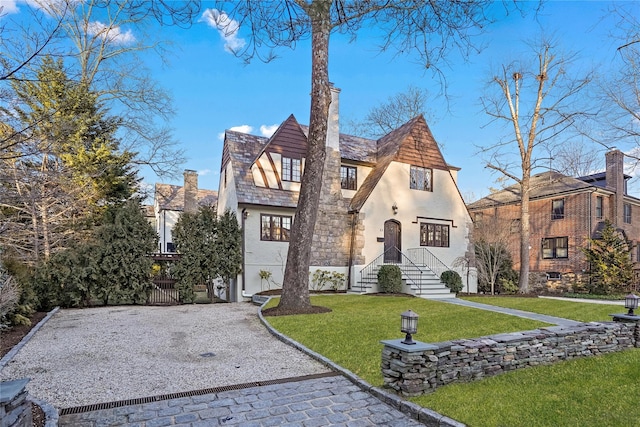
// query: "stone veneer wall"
[[418, 369], [332, 233], [15, 408]]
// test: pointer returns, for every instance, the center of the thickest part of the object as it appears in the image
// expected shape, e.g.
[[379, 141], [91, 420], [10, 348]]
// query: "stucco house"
[[565, 212], [391, 200], [171, 200]]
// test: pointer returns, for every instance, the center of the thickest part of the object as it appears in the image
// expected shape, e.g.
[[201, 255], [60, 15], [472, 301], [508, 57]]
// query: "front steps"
[[417, 280]]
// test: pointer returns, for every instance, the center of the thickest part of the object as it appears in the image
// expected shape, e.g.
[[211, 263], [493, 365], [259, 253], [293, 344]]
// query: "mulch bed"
[[8, 339]]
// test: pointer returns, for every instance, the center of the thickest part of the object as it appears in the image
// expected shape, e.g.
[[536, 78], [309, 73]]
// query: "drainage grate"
[[139, 401]]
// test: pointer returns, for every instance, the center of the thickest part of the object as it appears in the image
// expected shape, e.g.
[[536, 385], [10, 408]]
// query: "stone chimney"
[[333, 124], [190, 190], [615, 181]]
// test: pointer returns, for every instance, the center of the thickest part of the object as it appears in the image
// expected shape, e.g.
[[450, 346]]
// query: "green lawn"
[[586, 392], [582, 312], [350, 335]]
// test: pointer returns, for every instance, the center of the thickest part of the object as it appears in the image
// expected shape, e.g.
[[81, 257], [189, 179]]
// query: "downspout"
[[354, 216], [244, 218], [164, 231]]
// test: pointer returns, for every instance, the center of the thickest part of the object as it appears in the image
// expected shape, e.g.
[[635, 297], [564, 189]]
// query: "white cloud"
[[8, 7], [204, 172], [112, 34], [241, 128], [227, 28], [268, 130]]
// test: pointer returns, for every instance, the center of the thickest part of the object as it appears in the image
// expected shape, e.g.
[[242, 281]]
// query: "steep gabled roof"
[[543, 185], [242, 151], [171, 197], [411, 143]]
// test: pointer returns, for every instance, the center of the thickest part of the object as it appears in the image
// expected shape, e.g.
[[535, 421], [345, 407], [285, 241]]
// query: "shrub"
[[452, 280], [322, 278], [390, 279]]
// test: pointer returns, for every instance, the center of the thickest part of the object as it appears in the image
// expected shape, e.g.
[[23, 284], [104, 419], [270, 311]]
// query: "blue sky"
[[214, 91]]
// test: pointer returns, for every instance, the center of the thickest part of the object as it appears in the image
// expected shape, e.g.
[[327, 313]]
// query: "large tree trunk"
[[525, 234], [295, 286]]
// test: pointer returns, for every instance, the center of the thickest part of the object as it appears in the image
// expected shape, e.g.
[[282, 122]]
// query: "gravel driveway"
[[97, 355]]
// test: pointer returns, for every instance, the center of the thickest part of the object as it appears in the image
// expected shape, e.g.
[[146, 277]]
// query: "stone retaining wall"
[[412, 370], [15, 408]]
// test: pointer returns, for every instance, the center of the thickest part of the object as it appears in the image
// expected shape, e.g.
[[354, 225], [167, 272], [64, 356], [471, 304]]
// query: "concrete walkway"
[[525, 314]]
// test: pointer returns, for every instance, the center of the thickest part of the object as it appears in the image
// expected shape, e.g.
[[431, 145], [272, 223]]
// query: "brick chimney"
[[190, 190], [615, 181]]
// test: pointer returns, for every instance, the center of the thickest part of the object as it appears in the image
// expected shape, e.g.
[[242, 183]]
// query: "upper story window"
[[421, 179], [599, 204], [477, 217], [555, 247], [627, 213], [275, 227], [557, 209], [291, 169], [348, 177], [434, 235]]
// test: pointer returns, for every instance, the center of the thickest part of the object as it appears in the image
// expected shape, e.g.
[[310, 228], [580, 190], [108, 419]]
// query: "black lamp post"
[[631, 303], [409, 325]]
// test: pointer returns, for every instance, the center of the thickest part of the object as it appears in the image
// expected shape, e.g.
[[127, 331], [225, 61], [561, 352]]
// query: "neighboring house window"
[[420, 179], [638, 252], [348, 178], [557, 209], [275, 228], [599, 202], [291, 169], [478, 217], [555, 247], [554, 275], [171, 247], [434, 235], [515, 226], [627, 213]]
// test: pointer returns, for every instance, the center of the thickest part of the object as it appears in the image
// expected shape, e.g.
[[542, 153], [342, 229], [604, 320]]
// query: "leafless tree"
[[491, 236], [428, 30], [106, 39], [577, 158], [396, 111], [621, 102], [537, 102]]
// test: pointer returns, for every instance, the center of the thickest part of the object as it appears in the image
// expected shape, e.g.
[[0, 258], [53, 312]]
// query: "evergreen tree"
[[610, 265], [229, 247], [195, 237], [65, 167], [123, 244]]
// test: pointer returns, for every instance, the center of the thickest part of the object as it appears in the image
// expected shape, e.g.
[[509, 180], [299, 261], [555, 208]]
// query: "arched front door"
[[392, 239]]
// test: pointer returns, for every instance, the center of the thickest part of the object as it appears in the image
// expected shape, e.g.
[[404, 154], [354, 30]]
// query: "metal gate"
[[164, 291]]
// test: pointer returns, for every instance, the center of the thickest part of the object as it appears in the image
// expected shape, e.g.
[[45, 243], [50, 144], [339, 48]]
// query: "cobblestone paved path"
[[313, 402]]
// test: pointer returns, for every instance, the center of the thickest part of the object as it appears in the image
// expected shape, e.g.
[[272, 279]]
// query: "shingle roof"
[[546, 184], [171, 197], [243, 150], [388, 147]]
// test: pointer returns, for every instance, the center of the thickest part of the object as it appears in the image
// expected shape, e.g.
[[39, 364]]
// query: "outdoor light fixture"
[[631, 303], [395, 208], [410, 326]]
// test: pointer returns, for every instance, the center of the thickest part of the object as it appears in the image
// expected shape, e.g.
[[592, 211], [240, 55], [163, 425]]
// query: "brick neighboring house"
[[171, 200], [564, 213], [394, 200]]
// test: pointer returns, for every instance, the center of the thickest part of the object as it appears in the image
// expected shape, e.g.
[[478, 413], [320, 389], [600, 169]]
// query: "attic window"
[[291, 169], [420, 179]]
